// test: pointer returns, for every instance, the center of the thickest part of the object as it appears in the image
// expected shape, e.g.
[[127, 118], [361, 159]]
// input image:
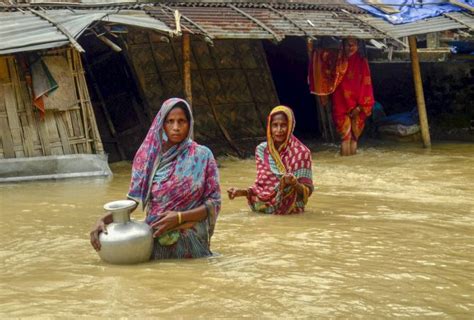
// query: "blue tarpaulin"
[[410, 10]]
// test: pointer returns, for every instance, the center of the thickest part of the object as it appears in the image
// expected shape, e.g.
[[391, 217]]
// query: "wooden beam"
[[62, 29], [462, 5], [322, 118], [198, 26], [382, 7], [420, 97], [451, 16], [73, 65], [186, 50]]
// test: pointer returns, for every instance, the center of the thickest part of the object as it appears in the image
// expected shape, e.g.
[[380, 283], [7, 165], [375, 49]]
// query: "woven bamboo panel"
[[232, 86], [66, 125], [62, 97]]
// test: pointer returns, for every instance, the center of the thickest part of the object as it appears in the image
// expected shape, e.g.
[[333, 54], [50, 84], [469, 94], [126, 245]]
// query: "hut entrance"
[[288, 63], [117, 105]]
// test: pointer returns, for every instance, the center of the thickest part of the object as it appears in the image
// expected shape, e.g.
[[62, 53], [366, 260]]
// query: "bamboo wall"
[[232, 87], [69, 125]]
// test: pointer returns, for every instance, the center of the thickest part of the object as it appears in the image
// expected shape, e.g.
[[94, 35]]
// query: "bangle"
[[179, 217]]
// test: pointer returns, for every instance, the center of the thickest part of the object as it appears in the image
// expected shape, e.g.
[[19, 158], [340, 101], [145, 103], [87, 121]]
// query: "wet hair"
[[183, 107]]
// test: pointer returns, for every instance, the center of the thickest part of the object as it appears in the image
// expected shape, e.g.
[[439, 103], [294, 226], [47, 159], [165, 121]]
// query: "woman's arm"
[[236, 192], [99, 227], [170, 220]]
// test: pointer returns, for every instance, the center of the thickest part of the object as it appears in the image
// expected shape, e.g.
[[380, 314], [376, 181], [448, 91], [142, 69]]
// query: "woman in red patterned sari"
[[353, 99], [284, 178]]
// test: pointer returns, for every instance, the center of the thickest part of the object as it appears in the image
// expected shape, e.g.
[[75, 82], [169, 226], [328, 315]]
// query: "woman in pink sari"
[[177, 181], [284, 177]]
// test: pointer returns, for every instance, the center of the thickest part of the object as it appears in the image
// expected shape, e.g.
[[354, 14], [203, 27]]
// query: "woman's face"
[[176, 126], [351, 47], [279, 128]]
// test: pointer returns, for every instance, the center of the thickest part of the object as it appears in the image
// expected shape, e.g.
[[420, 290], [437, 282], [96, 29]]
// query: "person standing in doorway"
[[353, 98]]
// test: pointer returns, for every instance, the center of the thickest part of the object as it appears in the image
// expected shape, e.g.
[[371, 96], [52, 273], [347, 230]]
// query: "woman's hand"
[[94, 235], [354, 112], [234, 192], [289, 179], [166, 221]]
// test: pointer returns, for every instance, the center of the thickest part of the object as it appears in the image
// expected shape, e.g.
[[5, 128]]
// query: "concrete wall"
[[448, 87]]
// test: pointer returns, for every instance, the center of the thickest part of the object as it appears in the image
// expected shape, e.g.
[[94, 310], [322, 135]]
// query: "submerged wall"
[[448, 89]]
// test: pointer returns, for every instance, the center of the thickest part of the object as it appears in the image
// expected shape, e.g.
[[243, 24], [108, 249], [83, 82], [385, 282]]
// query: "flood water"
[[389, 232]]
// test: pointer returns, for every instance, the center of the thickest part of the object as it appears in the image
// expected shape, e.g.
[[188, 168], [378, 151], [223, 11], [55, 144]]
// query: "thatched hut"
[[219, 54]]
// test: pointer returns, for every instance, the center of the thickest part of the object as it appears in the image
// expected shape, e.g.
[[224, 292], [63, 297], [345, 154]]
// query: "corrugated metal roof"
[[326, 23], [26, 31], [223, 22], [278, 23], [165, 14], [22, 31], [330, 5], [261, 21], [430, 25], [463, 18], [288, 22]]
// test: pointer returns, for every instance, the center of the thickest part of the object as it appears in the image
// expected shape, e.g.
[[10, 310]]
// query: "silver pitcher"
[[126, 241]]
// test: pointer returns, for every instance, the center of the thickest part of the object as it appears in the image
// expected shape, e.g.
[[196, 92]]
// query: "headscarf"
[[267, 194], [151, 155], [271, 145]]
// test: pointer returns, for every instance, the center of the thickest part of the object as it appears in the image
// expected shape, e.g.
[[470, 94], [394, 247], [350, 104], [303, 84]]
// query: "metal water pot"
[[126, 241]]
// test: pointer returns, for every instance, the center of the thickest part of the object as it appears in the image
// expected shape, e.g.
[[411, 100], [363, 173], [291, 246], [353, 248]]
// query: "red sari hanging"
[[354, 90]]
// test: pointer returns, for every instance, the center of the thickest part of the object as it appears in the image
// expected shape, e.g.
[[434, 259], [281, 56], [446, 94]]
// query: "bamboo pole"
[[186, 49], [75, 69], [462, 5], [420, 98], [27, 136], [330, 122], [99, 148]]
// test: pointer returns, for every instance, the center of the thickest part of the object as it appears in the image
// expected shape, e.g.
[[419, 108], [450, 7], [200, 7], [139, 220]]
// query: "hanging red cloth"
[[354, 90], [326, 70]]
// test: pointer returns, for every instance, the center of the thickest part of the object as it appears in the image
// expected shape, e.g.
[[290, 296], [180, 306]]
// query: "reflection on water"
[[389, 232]]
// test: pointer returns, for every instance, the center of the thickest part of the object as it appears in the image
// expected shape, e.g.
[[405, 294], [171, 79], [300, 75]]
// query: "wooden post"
[[186, 49], [420, 98], [321, 113], [85, 97]]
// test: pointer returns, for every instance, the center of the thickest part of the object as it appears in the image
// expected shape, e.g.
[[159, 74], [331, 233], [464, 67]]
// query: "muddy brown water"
[[389, 232]]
